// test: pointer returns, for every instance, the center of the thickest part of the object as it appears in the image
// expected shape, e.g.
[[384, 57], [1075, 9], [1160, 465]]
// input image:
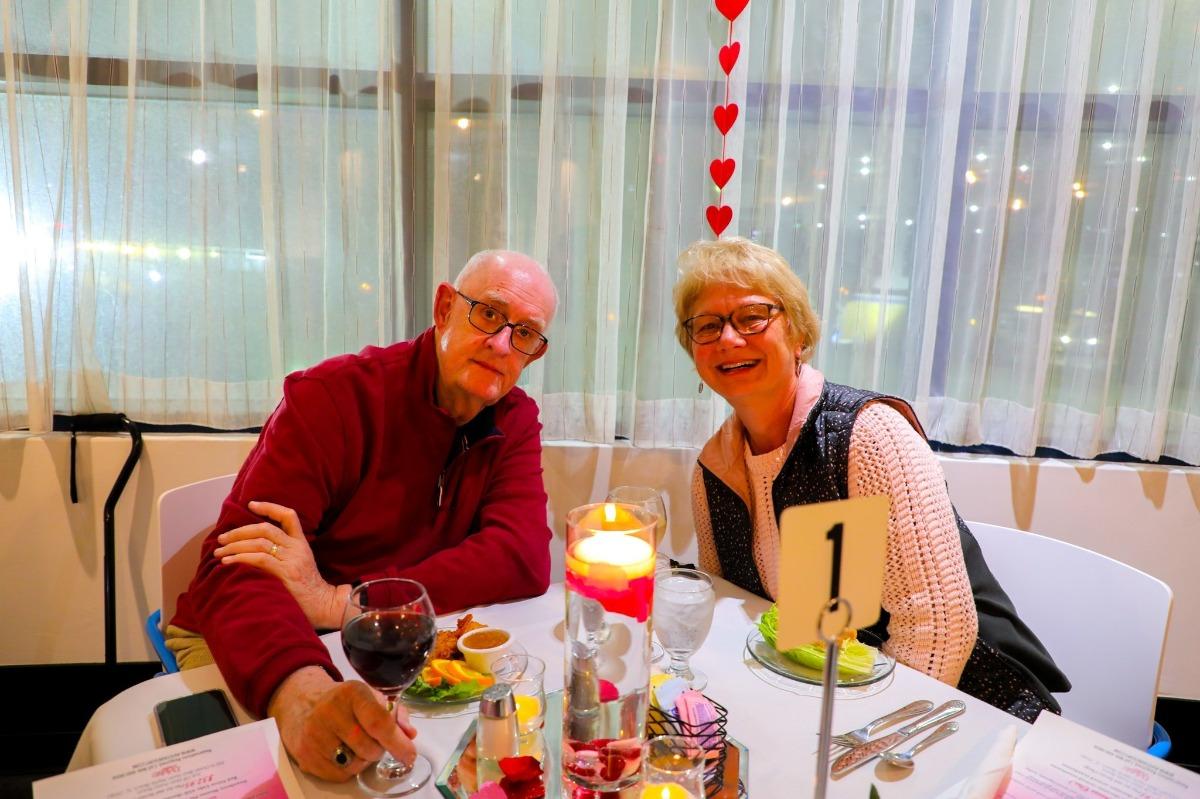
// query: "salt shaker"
[[495, 732]]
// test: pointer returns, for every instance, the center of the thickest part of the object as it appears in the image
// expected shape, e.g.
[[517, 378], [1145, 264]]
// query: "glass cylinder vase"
[[609, 596]]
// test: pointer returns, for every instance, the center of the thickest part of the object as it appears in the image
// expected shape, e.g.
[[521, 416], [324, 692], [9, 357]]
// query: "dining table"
[[774, 718]]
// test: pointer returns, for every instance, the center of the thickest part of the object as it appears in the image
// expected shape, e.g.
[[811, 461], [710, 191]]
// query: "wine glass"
[[683, 612], [650, 499], [387, 633]]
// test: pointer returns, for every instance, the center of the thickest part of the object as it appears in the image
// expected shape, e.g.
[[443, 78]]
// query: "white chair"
[[1103, 622], [185, 516]]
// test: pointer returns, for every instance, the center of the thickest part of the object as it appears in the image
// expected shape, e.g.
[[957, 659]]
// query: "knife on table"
[[872, 749]]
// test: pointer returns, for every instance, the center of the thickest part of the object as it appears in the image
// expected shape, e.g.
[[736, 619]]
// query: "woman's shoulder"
[[881, 425]]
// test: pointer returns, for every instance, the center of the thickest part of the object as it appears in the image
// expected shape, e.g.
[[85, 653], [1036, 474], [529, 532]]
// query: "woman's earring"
[[700, 387]]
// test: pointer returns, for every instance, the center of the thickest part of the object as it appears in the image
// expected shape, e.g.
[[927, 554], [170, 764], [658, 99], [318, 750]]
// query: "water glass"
[[683, 611], [525, 673], [672, 768]]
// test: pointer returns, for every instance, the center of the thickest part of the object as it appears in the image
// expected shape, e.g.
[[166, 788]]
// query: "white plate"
[[779, 663]]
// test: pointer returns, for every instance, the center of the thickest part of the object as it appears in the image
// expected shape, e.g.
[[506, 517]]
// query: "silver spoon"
[[905, 759]]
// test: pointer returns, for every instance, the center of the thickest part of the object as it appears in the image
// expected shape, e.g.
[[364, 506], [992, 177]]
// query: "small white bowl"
[[483, 645]]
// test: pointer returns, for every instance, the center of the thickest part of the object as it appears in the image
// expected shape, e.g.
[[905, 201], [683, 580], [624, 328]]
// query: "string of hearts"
[[724, 116]]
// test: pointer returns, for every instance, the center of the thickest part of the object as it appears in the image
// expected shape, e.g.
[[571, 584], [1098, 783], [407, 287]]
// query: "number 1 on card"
[[830, 550]]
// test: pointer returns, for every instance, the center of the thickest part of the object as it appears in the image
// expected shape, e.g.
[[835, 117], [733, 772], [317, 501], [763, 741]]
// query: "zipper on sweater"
[[463, 446]]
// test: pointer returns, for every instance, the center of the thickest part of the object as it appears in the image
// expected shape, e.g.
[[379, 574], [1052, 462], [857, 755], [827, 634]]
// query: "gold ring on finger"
[[275, 551], [340, 755]]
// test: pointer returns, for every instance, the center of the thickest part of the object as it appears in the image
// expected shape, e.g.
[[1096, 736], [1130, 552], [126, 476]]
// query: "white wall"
[[51, 584]]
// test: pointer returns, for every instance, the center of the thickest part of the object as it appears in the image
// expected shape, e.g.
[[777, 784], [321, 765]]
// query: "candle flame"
[[610, 512]]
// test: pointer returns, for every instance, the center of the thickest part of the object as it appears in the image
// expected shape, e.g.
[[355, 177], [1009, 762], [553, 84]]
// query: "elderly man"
[[417, 460]]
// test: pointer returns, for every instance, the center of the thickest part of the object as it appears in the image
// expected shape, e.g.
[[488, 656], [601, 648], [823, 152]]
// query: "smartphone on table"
[[193, 716]]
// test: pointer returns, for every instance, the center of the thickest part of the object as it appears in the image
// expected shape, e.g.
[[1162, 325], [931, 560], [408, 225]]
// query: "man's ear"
[[443, 303]]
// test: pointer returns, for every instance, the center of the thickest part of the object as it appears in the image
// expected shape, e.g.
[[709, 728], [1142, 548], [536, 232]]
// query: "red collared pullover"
[[359, 450]]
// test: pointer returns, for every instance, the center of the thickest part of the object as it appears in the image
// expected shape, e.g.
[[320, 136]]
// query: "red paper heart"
[[728, 56], [731, 8], [719, 217], [721, 171], [724, 116]]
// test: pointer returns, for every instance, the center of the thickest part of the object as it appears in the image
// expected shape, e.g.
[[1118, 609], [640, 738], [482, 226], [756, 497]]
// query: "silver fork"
[[863, 733]]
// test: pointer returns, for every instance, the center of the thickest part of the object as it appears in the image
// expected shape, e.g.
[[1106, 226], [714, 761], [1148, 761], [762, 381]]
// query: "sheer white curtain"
[[994, 204], [197, 199]]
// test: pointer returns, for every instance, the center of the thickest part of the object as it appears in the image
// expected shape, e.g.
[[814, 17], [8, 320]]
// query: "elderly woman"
[[795, 438]]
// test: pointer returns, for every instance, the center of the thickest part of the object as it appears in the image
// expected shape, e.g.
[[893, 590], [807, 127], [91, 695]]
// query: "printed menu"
[[1059, 759], [246, 762]]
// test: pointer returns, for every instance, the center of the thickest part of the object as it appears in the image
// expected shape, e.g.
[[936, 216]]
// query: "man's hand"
[[282, 550], [315, 715]]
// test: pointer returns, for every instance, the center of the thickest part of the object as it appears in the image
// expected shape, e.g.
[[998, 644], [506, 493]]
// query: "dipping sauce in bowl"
[[482, 646]]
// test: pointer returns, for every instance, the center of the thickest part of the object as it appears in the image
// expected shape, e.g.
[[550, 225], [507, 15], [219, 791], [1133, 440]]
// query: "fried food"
[[445, 646]]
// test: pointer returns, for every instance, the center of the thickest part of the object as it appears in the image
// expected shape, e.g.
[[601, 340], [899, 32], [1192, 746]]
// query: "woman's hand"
[[282, 550]]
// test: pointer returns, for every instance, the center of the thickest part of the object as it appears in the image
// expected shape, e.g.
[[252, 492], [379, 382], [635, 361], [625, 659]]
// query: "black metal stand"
[[109, 423]]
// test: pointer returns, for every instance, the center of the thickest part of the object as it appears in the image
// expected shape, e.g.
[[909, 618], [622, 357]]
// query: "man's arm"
[[257, 632], [508, 556]]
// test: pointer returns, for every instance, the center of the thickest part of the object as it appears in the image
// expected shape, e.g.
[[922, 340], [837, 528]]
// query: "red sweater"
[[358, 449]]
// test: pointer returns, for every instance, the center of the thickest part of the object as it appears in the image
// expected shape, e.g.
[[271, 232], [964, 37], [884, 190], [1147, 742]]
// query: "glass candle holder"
[[609, 597], [526, 675], [672, 768]]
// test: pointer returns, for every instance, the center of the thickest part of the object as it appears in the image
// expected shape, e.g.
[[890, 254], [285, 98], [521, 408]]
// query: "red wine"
[[388, 648]]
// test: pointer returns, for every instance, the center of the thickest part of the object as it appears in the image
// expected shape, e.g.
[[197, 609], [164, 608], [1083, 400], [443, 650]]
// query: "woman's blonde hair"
[[741, 262]]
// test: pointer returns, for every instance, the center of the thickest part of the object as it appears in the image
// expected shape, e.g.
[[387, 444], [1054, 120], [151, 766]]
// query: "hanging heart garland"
[[724, 116]]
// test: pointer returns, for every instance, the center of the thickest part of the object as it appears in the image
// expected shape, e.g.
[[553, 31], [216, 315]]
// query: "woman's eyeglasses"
[[748, 320]]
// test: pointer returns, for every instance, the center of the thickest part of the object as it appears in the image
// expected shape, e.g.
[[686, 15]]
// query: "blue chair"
[[1160, 743], [155, 634], [186, 515]]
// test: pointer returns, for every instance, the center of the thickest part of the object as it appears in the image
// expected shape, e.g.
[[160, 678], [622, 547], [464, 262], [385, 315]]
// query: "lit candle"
[[666, 790], [610, 558], [615, 549]]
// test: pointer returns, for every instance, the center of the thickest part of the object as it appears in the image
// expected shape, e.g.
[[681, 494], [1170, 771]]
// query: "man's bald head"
[[498, 294], [482, 269]]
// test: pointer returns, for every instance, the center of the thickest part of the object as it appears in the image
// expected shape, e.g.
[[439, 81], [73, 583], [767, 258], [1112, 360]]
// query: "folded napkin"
[[991, 777]]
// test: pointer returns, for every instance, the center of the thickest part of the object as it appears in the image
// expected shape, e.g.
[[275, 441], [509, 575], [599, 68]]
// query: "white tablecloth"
[[777, 726]]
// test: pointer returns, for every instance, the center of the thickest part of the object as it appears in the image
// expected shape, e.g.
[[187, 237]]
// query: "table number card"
[[246, 762], [830, 549]]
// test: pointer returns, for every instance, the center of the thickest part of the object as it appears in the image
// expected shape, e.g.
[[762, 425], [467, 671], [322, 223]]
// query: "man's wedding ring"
[[275, 554], [340, 755]]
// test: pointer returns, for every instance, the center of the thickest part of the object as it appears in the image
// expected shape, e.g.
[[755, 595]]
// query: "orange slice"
[[431, 677], [463, 673], [447, 669]]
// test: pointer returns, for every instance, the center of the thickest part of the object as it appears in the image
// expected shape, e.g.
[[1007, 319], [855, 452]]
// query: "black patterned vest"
[[1008, 668]]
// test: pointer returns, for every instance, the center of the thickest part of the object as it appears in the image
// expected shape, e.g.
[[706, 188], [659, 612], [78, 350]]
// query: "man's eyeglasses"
[[487, 319], [748, 320]]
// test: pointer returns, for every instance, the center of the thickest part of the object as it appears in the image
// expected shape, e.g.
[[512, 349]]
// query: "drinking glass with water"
[[683, 612]]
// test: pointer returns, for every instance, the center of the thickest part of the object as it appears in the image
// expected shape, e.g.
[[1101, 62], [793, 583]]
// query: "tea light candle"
[[666, 790]]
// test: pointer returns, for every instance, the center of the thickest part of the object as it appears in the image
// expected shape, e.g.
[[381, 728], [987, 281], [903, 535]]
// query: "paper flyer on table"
[[246, 762], [1059, 759]]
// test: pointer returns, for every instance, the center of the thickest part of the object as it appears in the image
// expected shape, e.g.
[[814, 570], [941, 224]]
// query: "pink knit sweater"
[[926, 589]]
